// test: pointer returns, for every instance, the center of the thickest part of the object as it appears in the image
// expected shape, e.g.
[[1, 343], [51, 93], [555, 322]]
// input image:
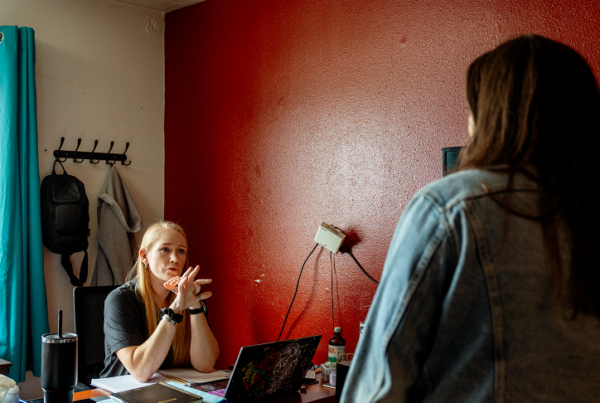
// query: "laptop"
[[271, 369]]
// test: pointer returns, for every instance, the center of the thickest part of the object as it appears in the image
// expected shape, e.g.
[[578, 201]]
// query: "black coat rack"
[[93, 157]]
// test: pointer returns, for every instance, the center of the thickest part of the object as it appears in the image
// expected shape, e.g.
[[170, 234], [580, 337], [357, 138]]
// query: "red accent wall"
[[281, 114]]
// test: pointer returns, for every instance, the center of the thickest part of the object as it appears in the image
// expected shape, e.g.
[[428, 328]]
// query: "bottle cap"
[[337, 329]]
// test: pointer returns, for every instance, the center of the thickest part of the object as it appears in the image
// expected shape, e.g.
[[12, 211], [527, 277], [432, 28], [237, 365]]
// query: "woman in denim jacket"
[[491, 287]]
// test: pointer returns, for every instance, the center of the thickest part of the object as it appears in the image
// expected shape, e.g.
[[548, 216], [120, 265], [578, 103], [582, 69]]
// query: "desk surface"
[[86, 394], [314, 393]]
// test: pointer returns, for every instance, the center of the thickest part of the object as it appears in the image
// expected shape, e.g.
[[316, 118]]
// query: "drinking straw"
[[60, 323]]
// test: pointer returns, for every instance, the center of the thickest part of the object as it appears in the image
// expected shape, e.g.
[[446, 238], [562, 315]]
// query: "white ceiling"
[[160, 5]]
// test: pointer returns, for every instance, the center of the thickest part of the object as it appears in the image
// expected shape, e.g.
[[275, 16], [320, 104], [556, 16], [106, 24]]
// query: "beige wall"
[[100, 75]]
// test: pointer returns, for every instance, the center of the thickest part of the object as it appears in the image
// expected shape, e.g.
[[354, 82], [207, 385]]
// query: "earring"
[[145, 265]]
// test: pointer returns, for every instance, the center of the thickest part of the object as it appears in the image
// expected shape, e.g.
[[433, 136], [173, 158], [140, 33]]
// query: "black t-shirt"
[[124, 326]]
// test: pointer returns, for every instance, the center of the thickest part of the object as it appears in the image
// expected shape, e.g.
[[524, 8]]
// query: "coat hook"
[[92, 153], [75, 153], [62, 140], [108, 156], [125, 157]]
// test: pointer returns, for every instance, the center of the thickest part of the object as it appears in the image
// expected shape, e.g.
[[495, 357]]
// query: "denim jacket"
[[466, 310]]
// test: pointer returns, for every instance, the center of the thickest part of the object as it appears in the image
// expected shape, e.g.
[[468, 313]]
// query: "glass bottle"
[[337, 345]]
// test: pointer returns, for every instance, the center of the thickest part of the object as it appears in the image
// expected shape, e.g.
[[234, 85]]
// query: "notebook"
[[124, 382], [271, 368], [158, 392], [188, 375]]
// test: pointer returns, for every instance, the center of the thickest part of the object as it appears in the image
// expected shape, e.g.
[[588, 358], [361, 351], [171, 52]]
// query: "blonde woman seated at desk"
[[146, 326]]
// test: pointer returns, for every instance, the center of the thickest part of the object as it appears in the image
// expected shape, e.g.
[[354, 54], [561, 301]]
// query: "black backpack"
[[65, 220]]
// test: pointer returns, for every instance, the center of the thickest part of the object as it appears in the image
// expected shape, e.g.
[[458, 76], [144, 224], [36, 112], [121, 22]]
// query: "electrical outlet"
[[329, 237]]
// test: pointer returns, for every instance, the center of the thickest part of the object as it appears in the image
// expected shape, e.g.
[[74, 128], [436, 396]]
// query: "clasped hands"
[[188, 290]]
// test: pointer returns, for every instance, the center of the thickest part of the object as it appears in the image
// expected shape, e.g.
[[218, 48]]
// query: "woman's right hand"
[[171, 285]]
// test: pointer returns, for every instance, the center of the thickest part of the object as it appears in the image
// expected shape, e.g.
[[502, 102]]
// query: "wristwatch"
[[174, 318], [202, 308]]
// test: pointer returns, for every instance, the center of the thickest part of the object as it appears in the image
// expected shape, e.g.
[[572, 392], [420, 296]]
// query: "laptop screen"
[[271, 368]]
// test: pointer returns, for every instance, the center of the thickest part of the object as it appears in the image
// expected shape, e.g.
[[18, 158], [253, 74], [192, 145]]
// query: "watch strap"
[[167, 319], [202, 309], [177, 318]]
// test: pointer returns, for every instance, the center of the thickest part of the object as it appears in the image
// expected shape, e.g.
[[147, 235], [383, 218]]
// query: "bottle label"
[[339, 352]]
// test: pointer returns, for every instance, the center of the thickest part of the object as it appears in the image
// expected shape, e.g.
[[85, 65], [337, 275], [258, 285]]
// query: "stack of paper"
[[184, 375], [181, 375], [126, 382]]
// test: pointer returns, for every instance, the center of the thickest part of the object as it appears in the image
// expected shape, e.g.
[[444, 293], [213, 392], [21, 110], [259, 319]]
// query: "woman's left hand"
[[187, 288]]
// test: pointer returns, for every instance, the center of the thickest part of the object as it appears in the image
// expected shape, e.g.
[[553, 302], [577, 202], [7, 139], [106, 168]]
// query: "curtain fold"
[[23, 291]]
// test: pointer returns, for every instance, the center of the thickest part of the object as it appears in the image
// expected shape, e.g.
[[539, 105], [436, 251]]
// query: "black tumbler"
[[59, 367]]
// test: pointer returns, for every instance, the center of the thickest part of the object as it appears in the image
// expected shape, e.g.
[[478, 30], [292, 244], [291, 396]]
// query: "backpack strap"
[[54, 167], [83, 271]]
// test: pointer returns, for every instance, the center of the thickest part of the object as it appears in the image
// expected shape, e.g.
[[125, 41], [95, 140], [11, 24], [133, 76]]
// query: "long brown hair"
[[182, 340], [536, 108]]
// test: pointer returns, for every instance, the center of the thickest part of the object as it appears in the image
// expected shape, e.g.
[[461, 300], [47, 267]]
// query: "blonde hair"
[[182, 340]]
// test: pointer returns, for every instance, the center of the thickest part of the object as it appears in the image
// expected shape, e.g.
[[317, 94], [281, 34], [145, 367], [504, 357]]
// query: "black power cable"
[[295, 292], [332, 266], [343, 249]]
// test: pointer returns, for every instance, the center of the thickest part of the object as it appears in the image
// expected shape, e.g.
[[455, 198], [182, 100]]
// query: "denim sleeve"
[[402, 320]]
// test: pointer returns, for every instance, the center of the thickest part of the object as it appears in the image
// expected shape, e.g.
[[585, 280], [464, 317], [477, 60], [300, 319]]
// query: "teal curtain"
[[23, 303]]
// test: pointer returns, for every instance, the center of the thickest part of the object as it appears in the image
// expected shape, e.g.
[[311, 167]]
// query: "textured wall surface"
[[281, 114]]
